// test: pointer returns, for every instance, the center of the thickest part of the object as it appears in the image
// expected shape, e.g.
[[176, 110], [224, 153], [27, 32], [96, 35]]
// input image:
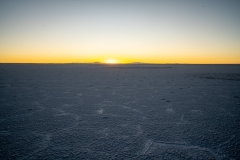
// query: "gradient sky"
[[152, 31]]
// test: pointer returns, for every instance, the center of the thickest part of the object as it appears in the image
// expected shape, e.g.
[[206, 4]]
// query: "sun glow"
[[111, 61]]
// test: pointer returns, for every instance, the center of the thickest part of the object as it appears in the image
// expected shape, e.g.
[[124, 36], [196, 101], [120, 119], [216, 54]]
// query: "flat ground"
[[119, 111]]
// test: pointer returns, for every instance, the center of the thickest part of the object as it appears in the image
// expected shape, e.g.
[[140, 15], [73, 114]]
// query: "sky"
[[122, 31]]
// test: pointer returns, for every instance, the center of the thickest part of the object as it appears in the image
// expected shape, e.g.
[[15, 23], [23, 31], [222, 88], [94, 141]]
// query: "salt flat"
[[82, 111]]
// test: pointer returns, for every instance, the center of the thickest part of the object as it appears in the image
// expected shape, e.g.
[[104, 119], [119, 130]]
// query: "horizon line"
[[132, 63]]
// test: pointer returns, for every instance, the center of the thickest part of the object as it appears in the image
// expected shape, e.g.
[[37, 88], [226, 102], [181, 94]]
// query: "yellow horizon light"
[[111, 61]]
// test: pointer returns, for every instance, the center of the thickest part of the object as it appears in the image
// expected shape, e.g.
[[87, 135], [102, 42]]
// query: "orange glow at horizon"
[[160, 59]]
